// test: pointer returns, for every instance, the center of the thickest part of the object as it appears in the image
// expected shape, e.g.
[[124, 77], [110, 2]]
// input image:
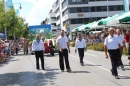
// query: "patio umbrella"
[[125, 19], [116, 20], [106, 20]]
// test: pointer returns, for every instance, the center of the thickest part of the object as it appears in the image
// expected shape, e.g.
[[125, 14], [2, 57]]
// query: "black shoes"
[[62, 70], [112, 72], [68, 70], [117, 77], [82, 64], [122, 67]]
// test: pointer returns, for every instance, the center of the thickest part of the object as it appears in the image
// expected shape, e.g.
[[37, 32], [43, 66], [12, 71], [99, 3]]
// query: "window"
[[79, 9], [93, 9], [119, 7], [58, 17], [73, 21], [86, 9], [111, 8], [53, 18], [80, 21], [99, 9], [73, 10], [64, 4], [104, 8]]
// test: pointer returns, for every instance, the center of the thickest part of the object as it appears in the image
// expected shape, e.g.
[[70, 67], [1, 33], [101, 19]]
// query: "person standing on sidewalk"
[[122, 43], [80, 45], [113, 45], [38, 48], [63, 46]]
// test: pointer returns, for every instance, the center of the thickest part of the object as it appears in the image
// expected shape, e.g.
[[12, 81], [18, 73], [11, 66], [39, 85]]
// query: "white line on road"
[[90, 55], [97, 66]]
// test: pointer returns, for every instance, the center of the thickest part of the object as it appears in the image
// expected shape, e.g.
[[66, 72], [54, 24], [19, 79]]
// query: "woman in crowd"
[[2, 56]]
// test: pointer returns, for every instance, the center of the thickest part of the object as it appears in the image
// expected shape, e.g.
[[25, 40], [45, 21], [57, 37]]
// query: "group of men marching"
[[113, 44]]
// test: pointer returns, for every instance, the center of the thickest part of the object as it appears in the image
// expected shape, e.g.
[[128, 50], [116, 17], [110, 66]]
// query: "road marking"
[[90, 55], [97, 66]]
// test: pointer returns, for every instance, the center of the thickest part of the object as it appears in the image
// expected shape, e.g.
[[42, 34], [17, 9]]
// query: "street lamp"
[[20, 7]]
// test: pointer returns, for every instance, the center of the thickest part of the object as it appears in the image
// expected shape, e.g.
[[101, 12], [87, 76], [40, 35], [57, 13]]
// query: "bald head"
[[111, 31], [37, 36], [118, 31]]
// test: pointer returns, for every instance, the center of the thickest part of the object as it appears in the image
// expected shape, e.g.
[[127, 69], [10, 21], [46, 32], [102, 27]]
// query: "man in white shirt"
[[122, 43], [38, 48], [113, 45], [80, 45], [63, 46]]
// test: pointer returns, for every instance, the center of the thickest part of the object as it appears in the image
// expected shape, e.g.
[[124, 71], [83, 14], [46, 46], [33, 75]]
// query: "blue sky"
[[34, 11]]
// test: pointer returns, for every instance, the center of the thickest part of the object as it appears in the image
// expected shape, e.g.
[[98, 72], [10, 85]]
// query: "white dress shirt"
[[62, 41], [111, 42], [121, 39], [80, 44], [38, 46]]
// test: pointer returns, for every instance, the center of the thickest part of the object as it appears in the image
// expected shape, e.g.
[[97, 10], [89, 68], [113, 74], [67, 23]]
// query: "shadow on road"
[[124, 77], [91, 65], [80, 72], [28, 78]]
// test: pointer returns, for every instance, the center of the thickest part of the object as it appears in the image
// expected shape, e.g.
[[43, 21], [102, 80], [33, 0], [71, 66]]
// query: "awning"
[[125, 19], [106, 20], [116, 20]]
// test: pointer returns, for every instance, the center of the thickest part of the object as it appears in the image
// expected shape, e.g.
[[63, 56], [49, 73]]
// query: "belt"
[[113, 49], [64, 48]]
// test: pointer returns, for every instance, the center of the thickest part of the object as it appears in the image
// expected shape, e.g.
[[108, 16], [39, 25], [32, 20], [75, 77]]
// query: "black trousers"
[[16, 50], [81, 54], [120, 63], [64, 55], [114, 60], [39, 54]]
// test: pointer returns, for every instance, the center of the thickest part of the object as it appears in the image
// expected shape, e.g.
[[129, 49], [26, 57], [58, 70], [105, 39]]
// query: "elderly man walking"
[[113, 45]]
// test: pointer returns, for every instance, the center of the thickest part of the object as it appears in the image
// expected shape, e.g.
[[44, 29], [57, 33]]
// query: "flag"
[[126, 5]]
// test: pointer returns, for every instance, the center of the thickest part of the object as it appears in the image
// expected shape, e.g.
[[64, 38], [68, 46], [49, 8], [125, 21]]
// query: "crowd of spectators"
[[8, 48]]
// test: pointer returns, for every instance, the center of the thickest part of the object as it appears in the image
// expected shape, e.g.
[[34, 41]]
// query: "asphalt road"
[[21, 71]]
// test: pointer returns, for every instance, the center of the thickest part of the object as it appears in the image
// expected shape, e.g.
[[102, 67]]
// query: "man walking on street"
[[38, 48], [80, 45], [63, 46], [122, 43], [113, 45]]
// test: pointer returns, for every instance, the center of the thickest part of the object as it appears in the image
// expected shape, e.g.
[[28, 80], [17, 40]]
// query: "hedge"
[[96, 47]]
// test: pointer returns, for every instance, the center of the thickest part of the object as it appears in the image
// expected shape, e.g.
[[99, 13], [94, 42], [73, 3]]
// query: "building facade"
[[70, 14]]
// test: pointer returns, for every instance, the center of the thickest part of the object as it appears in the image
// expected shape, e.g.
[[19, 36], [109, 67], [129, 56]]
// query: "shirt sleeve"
[[43, 47], [105, 41], [33, 46], [76, 44], [84, 44]]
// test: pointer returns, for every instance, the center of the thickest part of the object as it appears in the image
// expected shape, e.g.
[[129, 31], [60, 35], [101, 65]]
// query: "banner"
[[40, 29], [8, 4], [126, 5], [17, 12]]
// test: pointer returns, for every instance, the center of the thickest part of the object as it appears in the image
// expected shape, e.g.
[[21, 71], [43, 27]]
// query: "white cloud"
[[39, 11]]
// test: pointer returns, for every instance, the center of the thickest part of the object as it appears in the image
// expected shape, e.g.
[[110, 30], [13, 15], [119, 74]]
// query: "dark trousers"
[[64, 55], [81, 54], [120, 63], [114, 60], [39, 54], [16, 50]]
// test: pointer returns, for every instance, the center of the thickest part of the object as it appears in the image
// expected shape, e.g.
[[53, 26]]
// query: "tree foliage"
[[13, 23]]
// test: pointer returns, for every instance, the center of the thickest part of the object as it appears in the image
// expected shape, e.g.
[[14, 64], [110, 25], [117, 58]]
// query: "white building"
[[73, 13]]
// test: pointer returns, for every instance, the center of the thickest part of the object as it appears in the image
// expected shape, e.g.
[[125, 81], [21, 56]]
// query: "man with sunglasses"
[[38, 48]]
